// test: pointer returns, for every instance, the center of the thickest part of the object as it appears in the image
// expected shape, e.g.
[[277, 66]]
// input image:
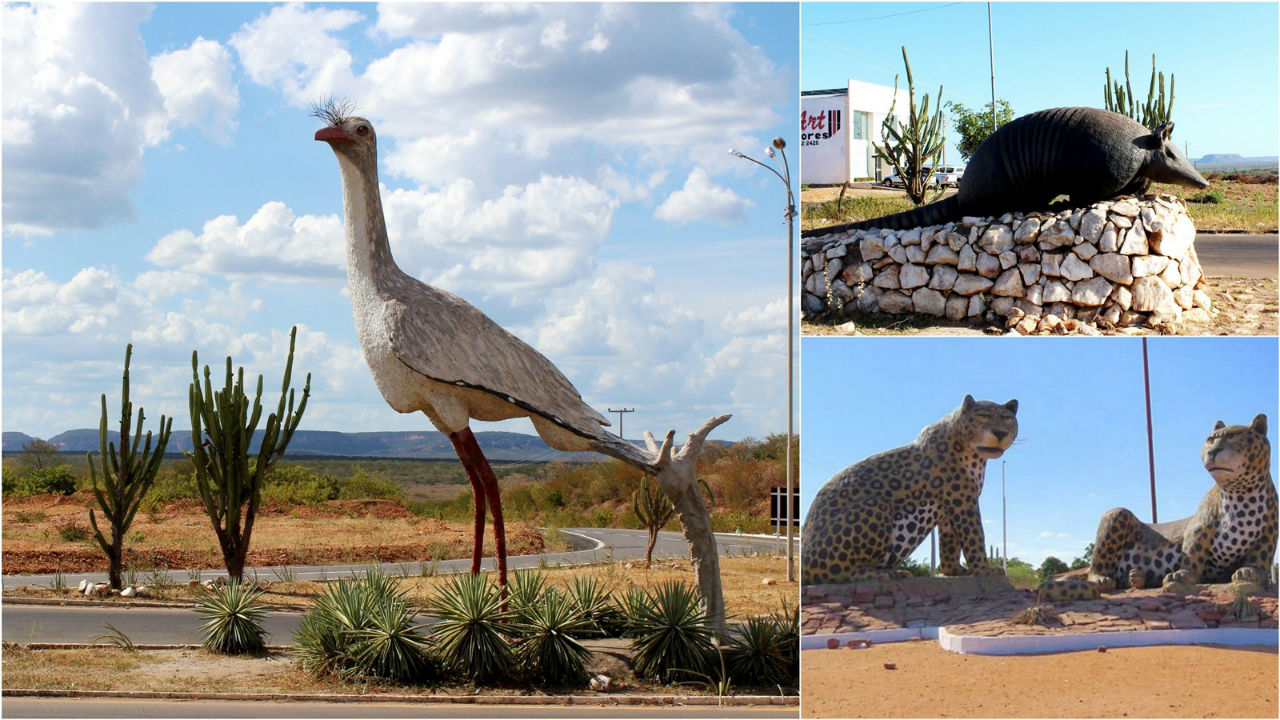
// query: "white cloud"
[[79, 107], [702, 200], [761, 320], [292, 49], [197, 88]]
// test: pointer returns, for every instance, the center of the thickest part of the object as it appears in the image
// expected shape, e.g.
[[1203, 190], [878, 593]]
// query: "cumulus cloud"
[[292, 49], [197, 88], [79, 107], [702, 200]]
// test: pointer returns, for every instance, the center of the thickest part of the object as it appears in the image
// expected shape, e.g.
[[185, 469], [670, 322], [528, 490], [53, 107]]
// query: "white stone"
[[1085, 250], [1073, 268], [811, 303], [1112, 314], [942, 255], [872, 248], [1176, 239], [1030, 272], [1009, 284], [1109, 240], [898, 253], [912, 276], [910, 237], [1056, 235], [1028, 253], [1202, 300], [869, 300], [1092, 293], [1185, 297], [914, 254], [834, 266], [926, 238], [1001, 305], [1135, 242], [1144, 265], [1171, 275], [1126, 208], [1035, 294], [977, 306], [859, 274], [944, 277], [1027, 231], [996, 239], [143, 591], [1190, 271], [887, 278], [1196, 315], [1062, 310], [967, 259], [840, 292], [955, 241], [1051, 264], [1123, 297], [1007, 259], [1112, 266], [1091, 224], [895, 303], [967, 284], [929, 302], [81, 586], [988, 265], [128, 592], [1055, 291], [601, 683], [1150, 294], [837, 250], [957, 308]]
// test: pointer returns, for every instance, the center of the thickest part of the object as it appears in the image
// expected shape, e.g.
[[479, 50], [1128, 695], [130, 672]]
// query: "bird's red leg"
[[475, 459], [464, 444]]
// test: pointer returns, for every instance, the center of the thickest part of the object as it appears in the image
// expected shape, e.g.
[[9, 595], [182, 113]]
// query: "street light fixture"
[[790, 213]]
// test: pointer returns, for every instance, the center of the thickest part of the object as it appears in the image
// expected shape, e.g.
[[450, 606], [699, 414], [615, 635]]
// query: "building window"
[[861, 125]]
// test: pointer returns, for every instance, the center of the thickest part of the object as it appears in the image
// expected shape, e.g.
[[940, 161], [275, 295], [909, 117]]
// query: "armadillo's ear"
[[1164, 130]]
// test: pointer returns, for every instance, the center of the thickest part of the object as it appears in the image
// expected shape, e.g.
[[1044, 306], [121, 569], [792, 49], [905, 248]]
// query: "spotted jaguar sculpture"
[[872, 515]]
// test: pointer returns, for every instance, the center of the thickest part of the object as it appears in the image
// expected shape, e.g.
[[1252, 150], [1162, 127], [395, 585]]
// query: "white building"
[[836, 130]]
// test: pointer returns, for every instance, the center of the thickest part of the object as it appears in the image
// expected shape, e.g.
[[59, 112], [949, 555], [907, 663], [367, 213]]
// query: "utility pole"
[[1004, 522], [1151, 449], [991, 55], [620, 411]]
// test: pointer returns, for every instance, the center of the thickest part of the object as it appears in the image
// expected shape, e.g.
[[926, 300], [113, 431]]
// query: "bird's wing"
[[443, 337]]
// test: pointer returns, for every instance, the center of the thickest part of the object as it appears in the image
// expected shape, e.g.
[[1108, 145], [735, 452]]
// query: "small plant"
[[1037, 614], [672, 636], [1209, 197], [29, 517], [526, 590], [429, 569], [285, 573], [114, 636], [390, 645], [470, 636], [630, 605], [195, 574], [160, 581], [1242, 607], [592, 600], [757, 653], [59, 582], [137, 537], [130, 575], [234, 624], [71, 531], [547, 647]]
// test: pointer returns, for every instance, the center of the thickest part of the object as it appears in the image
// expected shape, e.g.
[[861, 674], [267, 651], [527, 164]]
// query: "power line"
[[882, 17]]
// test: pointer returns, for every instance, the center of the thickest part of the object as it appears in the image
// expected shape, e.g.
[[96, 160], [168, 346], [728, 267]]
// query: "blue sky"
[[563, 167], [1082, 443], [1223, 55]]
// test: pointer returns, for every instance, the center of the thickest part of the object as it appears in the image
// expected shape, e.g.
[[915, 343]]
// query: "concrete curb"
[[123, 604], [1043, 644], [137, 646], [641, 700], [819, 642]]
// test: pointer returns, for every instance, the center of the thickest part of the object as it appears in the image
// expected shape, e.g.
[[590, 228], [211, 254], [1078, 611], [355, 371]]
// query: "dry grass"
[[1247, 207]]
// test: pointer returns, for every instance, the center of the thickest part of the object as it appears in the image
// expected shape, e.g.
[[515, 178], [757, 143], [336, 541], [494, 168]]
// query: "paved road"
[[1246, 256], [145, 625], [127, 708], [591, 545]]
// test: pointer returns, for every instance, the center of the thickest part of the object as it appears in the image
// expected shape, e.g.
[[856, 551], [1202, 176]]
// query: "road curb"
[[111, 605], [639, 700]]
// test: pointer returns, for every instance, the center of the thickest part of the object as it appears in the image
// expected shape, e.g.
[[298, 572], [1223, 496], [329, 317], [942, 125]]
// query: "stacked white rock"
[[1119, 263]]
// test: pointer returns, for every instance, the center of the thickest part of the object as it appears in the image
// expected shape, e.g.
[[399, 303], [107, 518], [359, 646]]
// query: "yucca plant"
[[470, 637], [673, 639], [391, 646], [547, 647], [526, 589], [592, 600], [757, 655], [234, 624], [629, 605]]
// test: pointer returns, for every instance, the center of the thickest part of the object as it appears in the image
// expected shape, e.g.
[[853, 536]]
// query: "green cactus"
[[654, 509], [913, 146], [223, 424], [126, 475], [1121, 99]]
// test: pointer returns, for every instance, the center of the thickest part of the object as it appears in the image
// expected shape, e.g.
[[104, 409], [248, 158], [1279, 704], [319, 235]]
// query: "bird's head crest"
[[333, 110]]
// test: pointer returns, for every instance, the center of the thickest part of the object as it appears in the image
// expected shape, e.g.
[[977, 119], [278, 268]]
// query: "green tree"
[[1050, 567], [1120, 98], [915, 145], [974, 126], [126, 476], [223, 425], [1085, 560], [38, 454]]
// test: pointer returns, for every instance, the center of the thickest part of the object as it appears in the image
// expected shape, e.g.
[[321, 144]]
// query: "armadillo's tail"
[[944, 210]]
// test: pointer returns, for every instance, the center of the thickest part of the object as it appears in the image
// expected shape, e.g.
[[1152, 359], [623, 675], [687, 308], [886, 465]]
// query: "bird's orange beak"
[[333, 134]]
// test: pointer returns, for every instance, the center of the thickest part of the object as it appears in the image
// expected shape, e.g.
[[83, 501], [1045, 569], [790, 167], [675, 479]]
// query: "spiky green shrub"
[[234, 624], [756, 653], [629, 606], [673, 640], [593, 601], [546, 646], [470, 637], [363, 626], [525, 590]]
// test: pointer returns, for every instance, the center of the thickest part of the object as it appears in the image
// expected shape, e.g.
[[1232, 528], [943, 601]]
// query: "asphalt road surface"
[[129, 708], [1242, 256], [149, 625], [592, 545]]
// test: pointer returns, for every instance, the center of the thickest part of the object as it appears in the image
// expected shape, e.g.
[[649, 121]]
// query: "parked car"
[[949, 175], [895, 181]]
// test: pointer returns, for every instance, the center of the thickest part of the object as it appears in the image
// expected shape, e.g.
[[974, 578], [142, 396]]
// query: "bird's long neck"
[[368, 249]]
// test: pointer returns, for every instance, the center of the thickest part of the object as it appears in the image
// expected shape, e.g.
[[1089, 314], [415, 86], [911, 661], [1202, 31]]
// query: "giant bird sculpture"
[[431, 351]]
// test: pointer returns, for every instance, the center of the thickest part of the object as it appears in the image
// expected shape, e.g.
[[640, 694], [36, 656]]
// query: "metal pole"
[[791, 279], [1004, 522], [620, 412], [933, 551], [1151, 448], [991, 54]]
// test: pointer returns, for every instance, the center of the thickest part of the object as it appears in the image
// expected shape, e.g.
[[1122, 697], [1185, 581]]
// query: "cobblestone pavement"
[[987, 605]]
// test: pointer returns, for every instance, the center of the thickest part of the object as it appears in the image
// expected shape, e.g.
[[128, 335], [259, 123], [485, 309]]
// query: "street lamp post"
[[790, 213]]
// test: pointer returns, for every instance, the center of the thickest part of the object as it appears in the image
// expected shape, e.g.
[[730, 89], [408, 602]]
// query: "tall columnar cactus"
[[223, 424], [913, 147], [1120, 98], [654, 510], [127, 474]]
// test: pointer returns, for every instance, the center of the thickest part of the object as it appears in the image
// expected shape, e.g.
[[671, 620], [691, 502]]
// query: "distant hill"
[[1233, 161], [498, 446]]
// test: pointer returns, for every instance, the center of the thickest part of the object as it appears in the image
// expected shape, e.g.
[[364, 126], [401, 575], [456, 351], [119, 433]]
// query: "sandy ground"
[[1124, 682]]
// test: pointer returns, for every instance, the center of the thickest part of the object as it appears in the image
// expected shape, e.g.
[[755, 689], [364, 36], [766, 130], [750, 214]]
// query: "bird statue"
[[433, 352]]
